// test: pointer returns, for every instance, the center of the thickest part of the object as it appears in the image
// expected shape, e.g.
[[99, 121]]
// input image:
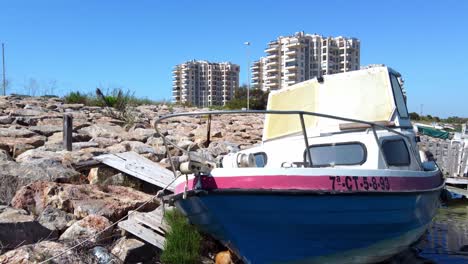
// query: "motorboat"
[[337, 178]]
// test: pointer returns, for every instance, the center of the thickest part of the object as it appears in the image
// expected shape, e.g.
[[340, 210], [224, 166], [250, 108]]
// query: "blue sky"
[[134, 44]]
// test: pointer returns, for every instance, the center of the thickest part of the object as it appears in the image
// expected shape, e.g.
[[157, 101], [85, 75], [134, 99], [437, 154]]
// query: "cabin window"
[[399, 98], [396, 152], [352, 153], [260, 159]]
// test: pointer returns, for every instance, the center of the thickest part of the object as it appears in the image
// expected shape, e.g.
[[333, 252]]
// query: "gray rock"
[[55, 219], [71, 106], [4, 155], [133, 250], [21, 148], [222, 148], [141, 134], [89, 227], [104, 130], [46, 130], [14, 175], [103, 256], [83, 145], [136, 146], [6, 120], [18, 227], [105, 142], [16, 132], [41, 251], [27, 112], [26, 121]]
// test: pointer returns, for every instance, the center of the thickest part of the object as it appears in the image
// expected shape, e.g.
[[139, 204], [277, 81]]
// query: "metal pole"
[[306, 140], [248, 75], [3, 62]]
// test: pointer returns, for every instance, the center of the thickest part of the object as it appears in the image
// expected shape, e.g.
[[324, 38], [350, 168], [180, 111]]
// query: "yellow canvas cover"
[[364, 95]]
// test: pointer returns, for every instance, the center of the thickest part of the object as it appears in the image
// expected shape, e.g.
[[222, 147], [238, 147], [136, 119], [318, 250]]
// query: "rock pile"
[[49, 199]]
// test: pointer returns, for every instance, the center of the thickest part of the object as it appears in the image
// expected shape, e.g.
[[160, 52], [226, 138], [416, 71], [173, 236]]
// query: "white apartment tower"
[[203, 83], [301, 57]]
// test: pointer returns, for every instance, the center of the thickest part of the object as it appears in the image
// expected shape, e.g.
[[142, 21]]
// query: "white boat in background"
[[337, 179]]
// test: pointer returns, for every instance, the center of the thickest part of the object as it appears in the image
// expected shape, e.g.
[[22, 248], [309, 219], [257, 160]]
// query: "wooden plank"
[[139, 167], [155, 223], [457, 190], [144, 233], [346, 126], [458, 180]]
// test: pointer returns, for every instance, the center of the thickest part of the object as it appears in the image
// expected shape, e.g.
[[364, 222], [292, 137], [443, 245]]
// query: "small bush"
[[76, 98], [182, 241]]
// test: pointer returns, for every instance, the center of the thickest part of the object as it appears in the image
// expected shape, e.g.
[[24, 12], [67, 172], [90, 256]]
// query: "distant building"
[[203, 83], [301, 57]]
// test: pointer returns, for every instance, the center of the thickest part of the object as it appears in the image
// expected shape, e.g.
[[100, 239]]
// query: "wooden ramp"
[[150, 226], [139, 167]]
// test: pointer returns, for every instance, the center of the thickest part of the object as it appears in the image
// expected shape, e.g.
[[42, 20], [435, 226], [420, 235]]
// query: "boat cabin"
[[371, 95]]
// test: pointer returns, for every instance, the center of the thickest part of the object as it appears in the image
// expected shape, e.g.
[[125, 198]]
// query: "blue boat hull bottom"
[[313, 228]]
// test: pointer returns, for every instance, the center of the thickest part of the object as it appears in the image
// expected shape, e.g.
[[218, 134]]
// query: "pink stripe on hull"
[[318, 183]]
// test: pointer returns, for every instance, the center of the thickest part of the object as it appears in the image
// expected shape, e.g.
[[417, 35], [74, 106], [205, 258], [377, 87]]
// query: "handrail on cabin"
[[301, 114]]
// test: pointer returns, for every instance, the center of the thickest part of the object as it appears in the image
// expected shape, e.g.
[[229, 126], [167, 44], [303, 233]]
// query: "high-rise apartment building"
[[203, 83], [301, 57]]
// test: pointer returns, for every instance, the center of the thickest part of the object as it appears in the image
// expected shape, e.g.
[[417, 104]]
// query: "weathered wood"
[[87, 164], [139, 167], [144, 233], [457, 180], [158, 224], [457, 190], [67, 132], [346, 126]]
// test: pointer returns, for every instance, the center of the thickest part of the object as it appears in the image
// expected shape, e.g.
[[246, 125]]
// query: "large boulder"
[[131, 250], [55, 219], [18, 227], [42, 251], [46, 130], [14, 132], [14, 175], [104, 130], [5, 155], [112, 202], [141, 134], [95, 227], [10, 143]]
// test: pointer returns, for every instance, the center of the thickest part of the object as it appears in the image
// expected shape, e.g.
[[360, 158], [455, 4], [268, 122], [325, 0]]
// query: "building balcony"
[[272, 56], [271, 48], [294, 44], [291, 67], [290, 59], [273, 69], [290, 74], [291, 52], [272, 63]]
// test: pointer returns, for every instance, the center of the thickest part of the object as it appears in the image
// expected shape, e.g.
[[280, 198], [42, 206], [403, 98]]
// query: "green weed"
[[182, 241]]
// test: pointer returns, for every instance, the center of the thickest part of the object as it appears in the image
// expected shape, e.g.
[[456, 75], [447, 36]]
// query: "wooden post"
[[67, 131], [208, 132]]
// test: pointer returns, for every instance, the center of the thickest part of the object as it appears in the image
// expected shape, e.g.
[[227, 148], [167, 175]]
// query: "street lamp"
[[248, 74]]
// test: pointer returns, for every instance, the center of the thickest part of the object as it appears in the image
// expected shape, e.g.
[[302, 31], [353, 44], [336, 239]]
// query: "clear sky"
[[86, 44]]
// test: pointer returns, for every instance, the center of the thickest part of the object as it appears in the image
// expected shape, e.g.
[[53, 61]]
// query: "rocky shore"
[[50, 198]]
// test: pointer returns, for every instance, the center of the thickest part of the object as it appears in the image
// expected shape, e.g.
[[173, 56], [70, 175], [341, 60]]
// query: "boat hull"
[[290, 227]]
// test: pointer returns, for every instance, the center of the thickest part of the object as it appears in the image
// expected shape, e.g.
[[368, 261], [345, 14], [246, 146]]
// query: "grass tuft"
[[182, 241]]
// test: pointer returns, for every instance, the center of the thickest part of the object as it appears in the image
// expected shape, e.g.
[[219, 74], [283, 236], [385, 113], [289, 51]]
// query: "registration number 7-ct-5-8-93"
[[356, 183]]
